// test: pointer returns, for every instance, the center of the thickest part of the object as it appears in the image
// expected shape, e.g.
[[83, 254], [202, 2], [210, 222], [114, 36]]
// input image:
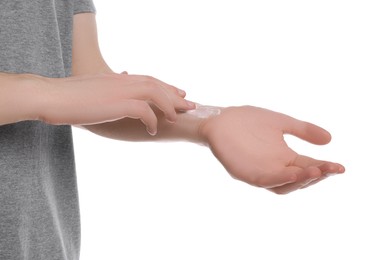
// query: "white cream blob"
[[202, 111]]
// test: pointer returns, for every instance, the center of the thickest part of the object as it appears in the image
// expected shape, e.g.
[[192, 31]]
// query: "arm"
[[248, 141], [87, 99], [98, 96]]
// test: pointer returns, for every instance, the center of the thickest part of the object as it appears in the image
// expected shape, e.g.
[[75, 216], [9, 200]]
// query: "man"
[[53, 76]]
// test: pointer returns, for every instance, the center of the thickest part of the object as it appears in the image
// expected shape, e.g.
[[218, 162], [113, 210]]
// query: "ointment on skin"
[[202, 111]]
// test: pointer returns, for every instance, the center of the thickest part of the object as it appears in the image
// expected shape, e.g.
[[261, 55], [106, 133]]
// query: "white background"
[[170, 201]]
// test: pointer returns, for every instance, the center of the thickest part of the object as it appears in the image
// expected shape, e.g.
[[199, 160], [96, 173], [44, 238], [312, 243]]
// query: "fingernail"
[[181, 92], [151, 132], [191, 104], [171, 120]]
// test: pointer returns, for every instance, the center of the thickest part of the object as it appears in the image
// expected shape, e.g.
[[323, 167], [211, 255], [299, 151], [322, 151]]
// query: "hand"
[[249, 142], [93, 99]]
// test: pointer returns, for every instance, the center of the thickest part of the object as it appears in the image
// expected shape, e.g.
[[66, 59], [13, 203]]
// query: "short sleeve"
[[84, 6]]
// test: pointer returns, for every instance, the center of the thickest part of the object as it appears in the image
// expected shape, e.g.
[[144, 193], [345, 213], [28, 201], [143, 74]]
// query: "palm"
[[249, 142]]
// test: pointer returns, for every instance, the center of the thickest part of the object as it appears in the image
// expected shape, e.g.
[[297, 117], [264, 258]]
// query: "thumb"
[[308, 132]]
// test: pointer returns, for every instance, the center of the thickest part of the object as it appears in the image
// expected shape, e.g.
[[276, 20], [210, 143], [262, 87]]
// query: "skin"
[[88, 99], [252, 150]]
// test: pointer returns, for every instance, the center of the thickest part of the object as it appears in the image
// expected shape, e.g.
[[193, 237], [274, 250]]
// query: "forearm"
[[186, 128], [20, 98]]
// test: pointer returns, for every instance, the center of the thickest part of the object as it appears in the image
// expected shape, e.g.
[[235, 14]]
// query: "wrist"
[[21, 95], [192, 122], [212, 124]]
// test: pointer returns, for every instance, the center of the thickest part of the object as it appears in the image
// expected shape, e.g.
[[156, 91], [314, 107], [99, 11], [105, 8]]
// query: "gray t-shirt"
[[39, 210]]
